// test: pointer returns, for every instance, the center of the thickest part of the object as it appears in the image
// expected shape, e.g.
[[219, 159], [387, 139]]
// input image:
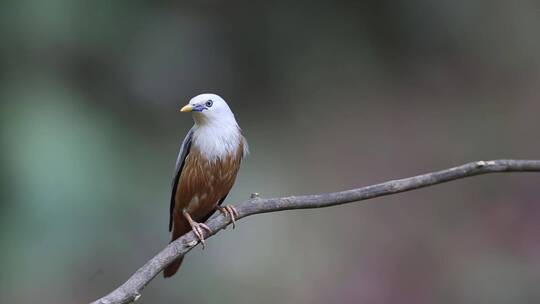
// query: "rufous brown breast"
[[203, 184]]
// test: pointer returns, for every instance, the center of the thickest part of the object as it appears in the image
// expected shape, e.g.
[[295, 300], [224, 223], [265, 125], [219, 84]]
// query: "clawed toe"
[[198, 228], [230, 212]]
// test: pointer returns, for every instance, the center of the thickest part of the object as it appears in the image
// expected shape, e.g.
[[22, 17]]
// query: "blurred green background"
[[330, 94]]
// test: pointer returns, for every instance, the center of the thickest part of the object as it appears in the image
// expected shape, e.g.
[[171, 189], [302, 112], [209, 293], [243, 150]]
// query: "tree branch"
[[130, 290]]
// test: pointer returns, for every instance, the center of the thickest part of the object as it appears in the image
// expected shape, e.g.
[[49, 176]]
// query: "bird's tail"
[[180, 227], [173, 267]]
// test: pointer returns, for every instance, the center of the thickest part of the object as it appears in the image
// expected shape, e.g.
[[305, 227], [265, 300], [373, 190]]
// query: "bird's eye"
[[209, 103]]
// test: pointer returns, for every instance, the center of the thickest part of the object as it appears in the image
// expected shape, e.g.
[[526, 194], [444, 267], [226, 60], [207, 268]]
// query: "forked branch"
[[130, 290]]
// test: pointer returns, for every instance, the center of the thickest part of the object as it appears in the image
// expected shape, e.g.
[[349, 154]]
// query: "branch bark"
[[130, 290]]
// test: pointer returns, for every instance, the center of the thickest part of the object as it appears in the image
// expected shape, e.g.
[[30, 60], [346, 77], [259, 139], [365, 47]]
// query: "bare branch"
[[130, 290]]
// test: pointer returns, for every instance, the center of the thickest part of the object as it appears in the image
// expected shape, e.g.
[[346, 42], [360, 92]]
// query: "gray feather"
[[180, 160]]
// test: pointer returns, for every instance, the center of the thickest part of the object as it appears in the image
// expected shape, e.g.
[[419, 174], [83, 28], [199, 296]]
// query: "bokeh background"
[[331, 95]]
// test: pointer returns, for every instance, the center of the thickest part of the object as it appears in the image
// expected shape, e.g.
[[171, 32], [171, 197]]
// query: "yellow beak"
[[187, 108]]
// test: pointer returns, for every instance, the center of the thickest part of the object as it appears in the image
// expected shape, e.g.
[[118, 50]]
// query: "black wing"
[[184, 151]]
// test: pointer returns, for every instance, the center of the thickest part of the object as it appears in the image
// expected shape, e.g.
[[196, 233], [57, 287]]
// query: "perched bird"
[[206, 168]]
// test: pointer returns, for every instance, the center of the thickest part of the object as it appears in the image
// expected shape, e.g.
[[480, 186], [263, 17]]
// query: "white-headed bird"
[[206, 168]]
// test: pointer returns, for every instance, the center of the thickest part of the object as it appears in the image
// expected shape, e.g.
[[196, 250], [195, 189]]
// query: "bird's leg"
[[197, 227], [230, 212]]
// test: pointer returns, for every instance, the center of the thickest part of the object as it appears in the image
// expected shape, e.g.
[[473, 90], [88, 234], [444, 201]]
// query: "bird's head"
[[209, 108]]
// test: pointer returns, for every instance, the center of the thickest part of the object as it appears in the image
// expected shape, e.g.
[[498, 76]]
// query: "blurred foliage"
[[330, 94]]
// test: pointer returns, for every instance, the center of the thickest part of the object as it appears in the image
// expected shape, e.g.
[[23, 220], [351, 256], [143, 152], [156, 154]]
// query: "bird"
[[206, 168]]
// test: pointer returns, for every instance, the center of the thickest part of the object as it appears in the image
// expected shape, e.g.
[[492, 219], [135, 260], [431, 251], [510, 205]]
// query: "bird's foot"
[[229, 212], [198, 228]]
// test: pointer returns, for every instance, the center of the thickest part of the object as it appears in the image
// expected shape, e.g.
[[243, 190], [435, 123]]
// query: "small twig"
[[130, 290]]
